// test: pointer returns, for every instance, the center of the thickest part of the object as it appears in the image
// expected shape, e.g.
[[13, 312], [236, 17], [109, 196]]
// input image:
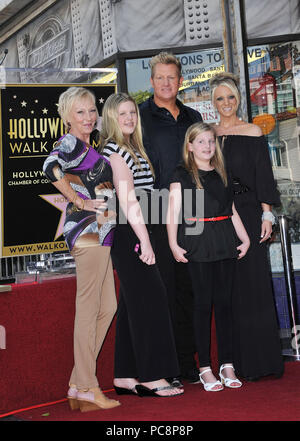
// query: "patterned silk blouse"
[[90, 175]]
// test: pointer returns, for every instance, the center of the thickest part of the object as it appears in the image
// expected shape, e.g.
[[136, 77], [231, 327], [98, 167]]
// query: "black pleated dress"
[[257, 349], [216, 240]]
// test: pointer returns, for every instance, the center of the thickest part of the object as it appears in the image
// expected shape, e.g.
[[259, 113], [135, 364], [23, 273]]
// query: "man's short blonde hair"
[[165, 58]]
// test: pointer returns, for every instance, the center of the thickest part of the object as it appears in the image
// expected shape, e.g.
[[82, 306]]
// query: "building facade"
[[259, 40]]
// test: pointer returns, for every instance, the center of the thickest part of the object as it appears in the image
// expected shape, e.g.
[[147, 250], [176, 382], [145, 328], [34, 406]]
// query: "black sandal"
[[125, 390], [144, 391]]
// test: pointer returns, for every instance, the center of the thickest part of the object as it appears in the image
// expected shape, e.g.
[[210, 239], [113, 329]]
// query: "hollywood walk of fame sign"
[[32, 211]]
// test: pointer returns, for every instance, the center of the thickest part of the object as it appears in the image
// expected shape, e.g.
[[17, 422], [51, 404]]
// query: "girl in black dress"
[[145, 353], [257, 349], [210, 251]]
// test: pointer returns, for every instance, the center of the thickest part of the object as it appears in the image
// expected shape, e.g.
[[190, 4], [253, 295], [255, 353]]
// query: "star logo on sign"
[[23, 103], [45, 111], [101, 100], [60, 202]]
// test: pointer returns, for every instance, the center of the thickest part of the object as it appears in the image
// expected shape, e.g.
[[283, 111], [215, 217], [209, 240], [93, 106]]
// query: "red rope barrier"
[[36, 406]]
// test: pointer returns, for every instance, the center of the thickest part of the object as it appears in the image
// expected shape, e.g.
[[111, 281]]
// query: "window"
[[274, 74]]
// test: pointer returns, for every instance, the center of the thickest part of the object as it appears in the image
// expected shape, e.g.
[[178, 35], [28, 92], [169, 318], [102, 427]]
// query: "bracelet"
[[269, 216], [75, 208], [82, 208], [72, 200]]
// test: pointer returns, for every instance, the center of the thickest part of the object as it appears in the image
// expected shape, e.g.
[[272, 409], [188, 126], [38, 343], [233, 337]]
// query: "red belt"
[[208, 219]]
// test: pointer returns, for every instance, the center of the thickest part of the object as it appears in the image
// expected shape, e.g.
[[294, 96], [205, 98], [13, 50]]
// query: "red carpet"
[[266, 400], [36, 364]]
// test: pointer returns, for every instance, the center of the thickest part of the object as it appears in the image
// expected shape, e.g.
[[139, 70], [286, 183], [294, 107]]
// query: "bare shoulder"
[[252, 130], [242, 128]]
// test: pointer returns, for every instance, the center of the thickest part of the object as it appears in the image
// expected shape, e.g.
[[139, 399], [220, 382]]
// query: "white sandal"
[[228, 382], [209, 387]]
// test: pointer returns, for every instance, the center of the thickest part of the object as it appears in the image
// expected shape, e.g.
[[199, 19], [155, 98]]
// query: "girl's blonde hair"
[[217, 161], [67, 99], [110, 129]]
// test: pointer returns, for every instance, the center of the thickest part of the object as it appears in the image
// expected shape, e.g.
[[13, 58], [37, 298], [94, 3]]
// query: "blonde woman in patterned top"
[[80, 174]]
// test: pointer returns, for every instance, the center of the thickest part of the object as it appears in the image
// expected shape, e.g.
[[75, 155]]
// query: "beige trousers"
[[95, 308]]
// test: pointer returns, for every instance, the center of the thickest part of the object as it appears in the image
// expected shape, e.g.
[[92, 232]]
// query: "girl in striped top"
[[145, 351]]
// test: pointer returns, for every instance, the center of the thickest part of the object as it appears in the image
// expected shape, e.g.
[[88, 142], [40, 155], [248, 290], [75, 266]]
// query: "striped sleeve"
[[114, 148], [142, 176]]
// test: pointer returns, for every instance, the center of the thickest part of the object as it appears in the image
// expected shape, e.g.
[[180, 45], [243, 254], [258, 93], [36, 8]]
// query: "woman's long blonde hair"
[[217, 161], [110, 129]]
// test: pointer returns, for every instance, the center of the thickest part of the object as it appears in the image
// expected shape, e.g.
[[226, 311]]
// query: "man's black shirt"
[[163, 137]]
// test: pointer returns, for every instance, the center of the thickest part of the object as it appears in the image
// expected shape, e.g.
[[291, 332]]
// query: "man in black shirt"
[[165, 121]]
